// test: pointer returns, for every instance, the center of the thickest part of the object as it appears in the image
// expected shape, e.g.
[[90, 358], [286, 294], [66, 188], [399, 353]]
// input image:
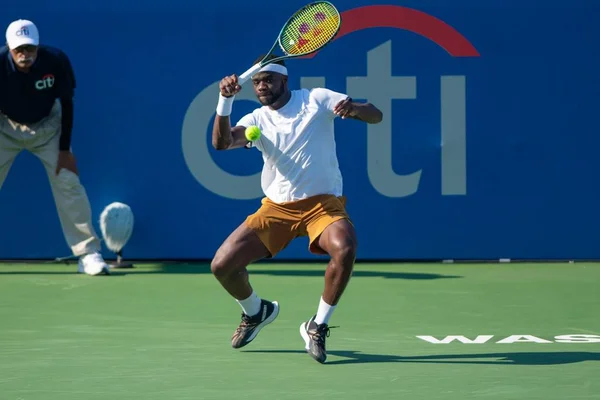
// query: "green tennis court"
[[162, 331]]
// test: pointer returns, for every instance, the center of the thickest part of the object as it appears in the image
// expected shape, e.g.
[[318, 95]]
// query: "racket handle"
[[246, 75]]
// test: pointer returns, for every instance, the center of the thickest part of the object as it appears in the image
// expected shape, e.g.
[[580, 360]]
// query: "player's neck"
[[282, 101]]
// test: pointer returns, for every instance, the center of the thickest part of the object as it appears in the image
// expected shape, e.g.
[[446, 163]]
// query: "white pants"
[[70, 197]]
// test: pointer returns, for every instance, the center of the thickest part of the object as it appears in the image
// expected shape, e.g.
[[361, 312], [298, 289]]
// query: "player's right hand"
[[229, 86]]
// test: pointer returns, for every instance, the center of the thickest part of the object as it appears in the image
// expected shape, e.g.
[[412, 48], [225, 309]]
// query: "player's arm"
[[366, 112], [341, 105], [225, 137]]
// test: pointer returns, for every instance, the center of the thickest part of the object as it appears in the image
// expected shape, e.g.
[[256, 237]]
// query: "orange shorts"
[[278, 224]]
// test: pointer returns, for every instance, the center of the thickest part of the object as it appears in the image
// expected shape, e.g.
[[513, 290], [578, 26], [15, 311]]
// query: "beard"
[[270, 99]]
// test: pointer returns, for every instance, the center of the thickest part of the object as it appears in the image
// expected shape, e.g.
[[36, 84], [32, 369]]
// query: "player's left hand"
[[66, 160], [345, 108]]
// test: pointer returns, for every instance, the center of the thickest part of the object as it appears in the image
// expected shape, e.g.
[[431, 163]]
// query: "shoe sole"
[[266, 322], [307, 343], [103, 271], [305, 336]]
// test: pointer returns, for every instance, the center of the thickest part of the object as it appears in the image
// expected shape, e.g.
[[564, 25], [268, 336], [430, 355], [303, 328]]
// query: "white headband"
[[274, 68]]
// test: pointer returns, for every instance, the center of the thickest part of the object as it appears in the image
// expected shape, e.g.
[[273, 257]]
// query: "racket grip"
[[246, 75]]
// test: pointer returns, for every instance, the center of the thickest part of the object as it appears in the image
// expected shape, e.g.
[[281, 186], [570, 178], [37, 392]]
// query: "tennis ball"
[[252, 133]]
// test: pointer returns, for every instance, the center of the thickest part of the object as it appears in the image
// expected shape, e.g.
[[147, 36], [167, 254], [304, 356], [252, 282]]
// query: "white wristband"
[[225, 105]]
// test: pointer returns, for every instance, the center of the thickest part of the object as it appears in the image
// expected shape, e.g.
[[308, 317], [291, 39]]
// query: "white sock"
[[324, 312], [251, 305]]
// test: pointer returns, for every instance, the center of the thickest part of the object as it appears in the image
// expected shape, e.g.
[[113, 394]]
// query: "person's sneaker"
[[314, 338], [92, 264], [250, 326]]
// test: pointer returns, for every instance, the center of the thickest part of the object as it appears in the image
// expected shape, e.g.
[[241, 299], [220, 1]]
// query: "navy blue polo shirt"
[[28, 97]]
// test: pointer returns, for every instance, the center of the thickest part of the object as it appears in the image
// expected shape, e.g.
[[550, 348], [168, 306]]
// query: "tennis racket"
[[310, 29]]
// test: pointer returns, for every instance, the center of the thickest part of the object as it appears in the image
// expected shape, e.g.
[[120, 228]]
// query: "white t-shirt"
[[298, 146]]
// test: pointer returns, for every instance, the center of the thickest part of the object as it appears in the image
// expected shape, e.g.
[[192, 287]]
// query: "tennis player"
[[302, 184]]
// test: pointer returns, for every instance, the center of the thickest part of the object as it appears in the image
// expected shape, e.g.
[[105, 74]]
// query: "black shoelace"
[[247, 322], [323, 331]]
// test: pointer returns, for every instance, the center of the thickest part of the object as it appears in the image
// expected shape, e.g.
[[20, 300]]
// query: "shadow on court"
[[359, 274], [294, 270], [533, 358]]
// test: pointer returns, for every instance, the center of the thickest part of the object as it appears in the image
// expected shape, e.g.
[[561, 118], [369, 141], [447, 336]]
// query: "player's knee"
[[344, 250], [222, 265], [218, 266]]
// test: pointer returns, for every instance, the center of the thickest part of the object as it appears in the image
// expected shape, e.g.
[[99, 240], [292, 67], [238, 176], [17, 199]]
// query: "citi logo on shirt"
[[46, 82]]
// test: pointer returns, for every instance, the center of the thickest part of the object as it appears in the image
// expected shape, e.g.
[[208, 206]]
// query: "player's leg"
[[262, 235], [70, 197], [241, 248], [339, 241], [332, 233]]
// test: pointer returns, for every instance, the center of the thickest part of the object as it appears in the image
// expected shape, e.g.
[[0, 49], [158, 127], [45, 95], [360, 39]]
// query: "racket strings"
[[310, 29]]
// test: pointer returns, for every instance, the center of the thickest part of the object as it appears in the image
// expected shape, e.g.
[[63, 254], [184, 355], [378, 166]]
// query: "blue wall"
[[488, 148]]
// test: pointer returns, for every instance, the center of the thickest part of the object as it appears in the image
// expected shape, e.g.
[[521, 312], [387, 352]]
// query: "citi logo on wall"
[[379, 86]]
